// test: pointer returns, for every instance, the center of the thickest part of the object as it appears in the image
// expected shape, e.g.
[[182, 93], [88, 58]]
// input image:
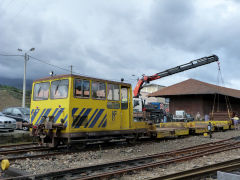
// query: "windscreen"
[[59, 89], [41, 91]]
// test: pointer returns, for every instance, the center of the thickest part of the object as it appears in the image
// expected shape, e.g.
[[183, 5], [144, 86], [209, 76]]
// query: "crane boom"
[[177, 69]]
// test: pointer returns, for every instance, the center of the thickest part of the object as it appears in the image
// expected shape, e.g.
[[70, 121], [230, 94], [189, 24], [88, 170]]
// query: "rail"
[[112, 169]]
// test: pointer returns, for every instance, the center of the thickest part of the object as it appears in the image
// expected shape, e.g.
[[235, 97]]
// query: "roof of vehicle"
[[78, 76]]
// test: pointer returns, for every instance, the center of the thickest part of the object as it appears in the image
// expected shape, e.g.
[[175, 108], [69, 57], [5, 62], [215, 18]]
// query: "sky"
[[121, 38]]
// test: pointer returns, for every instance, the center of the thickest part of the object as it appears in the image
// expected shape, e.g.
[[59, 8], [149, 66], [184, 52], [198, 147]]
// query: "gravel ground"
[[198, 162], [75, 160]]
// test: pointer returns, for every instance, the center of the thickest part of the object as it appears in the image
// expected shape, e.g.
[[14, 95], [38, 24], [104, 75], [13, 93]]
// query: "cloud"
[[114, 39]]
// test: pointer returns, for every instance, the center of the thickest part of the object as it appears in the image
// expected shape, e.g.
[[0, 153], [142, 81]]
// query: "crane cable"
[[217, 95], [228, 104]]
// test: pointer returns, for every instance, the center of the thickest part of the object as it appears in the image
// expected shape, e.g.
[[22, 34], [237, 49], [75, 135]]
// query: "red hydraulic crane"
[[168, 72]]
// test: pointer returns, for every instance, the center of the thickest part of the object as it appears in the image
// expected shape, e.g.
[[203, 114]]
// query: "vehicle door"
[[125, 109], [113, 106]]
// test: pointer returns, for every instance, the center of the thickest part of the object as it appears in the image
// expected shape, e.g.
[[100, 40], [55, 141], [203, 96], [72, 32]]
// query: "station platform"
[[16, 136]]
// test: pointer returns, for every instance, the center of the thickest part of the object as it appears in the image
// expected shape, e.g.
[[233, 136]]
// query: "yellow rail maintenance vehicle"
[[72, 109]]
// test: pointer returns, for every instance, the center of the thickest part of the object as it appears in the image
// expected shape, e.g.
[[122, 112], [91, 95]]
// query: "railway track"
[[24, 151], [118, 168], [203, 172], [17, 145], [15, 151]]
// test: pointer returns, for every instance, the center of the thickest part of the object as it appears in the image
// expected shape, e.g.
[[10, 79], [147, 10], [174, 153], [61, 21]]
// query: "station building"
[[195, 96]]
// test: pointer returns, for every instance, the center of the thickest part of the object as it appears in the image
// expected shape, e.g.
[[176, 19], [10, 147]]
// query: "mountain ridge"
[[16, 82]]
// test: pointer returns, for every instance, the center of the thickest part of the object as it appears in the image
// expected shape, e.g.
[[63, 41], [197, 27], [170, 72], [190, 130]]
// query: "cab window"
[[41, 91], [113, 92], [98, 90], [59, 89], [124, 98], [81, 88]]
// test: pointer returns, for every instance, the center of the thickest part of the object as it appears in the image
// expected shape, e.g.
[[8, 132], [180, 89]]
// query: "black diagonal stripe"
[[76, 120], [83, 118]]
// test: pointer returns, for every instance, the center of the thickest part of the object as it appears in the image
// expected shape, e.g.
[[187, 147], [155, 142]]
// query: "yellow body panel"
[[221, 124], [197, 124], [97, 115], [172, 129], [202, 126], [182, 132], [201, 130], [199, 127], [173, 125], [58, 108], [140, 125], [164, 134], [174, 132]]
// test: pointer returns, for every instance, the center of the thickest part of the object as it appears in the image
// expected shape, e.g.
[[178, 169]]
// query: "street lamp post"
[[26, 58]]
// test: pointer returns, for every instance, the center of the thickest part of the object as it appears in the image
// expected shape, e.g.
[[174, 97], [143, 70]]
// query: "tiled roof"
[[192, 86]]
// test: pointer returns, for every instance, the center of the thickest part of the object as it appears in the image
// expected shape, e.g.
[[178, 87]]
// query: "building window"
[[98, 90], [59, 89], [41, 91], [82, 88], [113, 92]]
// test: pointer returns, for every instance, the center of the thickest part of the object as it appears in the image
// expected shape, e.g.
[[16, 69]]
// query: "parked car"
[[6, 123], [19, 114]]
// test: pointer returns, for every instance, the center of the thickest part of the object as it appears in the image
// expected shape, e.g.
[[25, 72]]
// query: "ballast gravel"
[[75, 160]]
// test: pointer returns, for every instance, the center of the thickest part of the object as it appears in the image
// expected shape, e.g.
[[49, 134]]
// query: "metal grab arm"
[[177, 69]]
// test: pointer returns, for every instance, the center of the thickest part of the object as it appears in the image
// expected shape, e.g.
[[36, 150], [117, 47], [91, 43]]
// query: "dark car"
[[18, 113]]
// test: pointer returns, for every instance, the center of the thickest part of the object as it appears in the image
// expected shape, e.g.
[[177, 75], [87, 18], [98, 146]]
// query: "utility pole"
[[26, 58], [71, 69]]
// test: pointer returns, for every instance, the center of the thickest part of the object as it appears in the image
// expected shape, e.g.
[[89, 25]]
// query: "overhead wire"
[[55, 66], [42, 61], [11, 55], [64, 69]]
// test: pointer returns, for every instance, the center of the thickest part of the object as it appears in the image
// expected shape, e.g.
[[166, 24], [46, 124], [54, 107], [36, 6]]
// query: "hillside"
[[12, 97], [17, 82]]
